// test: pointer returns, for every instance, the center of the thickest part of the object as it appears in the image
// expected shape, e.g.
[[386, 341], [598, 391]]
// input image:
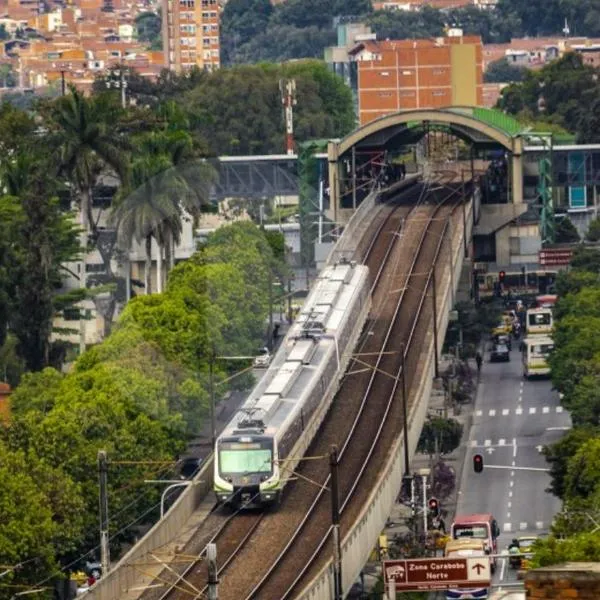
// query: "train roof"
[[297, 364]]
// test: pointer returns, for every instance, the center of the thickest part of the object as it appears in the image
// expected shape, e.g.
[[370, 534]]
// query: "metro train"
[[258, 450]]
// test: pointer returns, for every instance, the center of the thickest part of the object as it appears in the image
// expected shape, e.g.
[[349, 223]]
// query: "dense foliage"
[[564, 92], [255, 30], [238, 110], [574, 460], [139, 395]]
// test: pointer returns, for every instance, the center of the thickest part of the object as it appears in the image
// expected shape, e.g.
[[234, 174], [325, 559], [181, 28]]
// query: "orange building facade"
[[191, 34], [411, 74]]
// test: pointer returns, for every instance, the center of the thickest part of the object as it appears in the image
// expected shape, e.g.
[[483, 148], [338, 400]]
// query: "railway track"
[[232, 532], [298, 561]]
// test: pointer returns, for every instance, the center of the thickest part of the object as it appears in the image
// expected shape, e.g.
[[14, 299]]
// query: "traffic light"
[[478, 463], [501, 276], [434, 507]]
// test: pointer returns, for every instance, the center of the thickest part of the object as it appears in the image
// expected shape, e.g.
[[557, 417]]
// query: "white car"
[[262, 361]]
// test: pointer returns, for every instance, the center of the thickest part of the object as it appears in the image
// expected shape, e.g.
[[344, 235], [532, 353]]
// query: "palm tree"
[[87, 143], [85, 136], [165, 189]]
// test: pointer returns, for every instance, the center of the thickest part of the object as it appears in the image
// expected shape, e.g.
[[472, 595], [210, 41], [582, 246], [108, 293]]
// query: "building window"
[[407, 93], [206, 54], [216, 28], [206, 28], [206, 41], [439, 71], [439, 93], [385, 73], [187, 4], [215, 53], [407, 72]]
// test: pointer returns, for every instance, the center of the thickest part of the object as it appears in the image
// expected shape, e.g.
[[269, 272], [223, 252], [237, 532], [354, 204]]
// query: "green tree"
[[559, 454], [238, 110], [593, 232], [582, 547], [501, 71], [440, 436], [583, 470], [148, 26], [566, 232], [571, 282], [586, 259]]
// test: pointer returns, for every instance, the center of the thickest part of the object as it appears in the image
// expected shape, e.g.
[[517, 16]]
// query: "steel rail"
[[389, 404], [182, 577], [374, 375]]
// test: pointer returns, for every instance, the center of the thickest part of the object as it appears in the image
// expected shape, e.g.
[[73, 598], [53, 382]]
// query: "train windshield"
[[245, 457]]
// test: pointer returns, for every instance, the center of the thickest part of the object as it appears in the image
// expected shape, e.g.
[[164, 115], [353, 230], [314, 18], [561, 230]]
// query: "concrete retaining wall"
[[358, 543], [124, 575]]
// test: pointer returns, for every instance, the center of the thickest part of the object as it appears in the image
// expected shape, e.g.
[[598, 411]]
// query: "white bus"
[[538, 321], [535, 355]]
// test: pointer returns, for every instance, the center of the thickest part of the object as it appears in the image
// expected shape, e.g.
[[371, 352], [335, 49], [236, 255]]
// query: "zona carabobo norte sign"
[[437, 573]]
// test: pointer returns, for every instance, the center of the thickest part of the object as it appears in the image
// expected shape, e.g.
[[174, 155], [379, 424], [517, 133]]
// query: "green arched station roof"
[[482, 127]]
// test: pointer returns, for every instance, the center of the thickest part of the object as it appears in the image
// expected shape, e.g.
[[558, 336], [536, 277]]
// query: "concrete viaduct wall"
[[357, 544]]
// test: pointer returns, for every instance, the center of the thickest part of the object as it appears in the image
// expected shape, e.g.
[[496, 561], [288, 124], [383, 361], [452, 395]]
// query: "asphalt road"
[[513, 419]]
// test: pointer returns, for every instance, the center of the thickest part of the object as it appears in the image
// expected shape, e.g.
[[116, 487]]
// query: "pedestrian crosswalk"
[[524, 526], [519, 410]]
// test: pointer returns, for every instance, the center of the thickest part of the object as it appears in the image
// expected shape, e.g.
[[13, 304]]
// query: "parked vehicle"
[[263, 360], [499, 353]]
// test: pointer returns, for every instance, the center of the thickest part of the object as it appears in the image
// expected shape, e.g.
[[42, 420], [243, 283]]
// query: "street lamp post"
[[174, 483]]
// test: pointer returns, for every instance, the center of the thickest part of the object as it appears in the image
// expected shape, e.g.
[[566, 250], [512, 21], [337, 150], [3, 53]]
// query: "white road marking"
[[507, 527], [519, 410], [478, 413], [510, 494], [512, 473], [509, 505], [522, 526], [490, 450], [487, 443], [532, 410], [566, 428], [492, 412], [522, 384], [502, 569], [520, 397], [559, 409], [508, 515], [505, 411], [539, 525], [539, 448], [514, 464], [546, 410], [514, 447], [512, 483], [501, 442], [473, 443]]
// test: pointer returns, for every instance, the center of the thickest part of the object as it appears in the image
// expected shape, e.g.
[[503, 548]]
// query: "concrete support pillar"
[[517, 179], [334, 180]]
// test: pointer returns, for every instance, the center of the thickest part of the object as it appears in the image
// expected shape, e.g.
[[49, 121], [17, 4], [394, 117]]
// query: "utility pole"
[[123, 84], [424, 483], [62, 82], [104, 542], [211, 385], [335, 521], [405, 414], [270, 333], [213, 579], [287, 87], [289, 300], [435, 328]]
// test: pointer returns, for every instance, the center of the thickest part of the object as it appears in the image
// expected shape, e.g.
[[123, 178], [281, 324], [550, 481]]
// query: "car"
[[504, 339], [500, 352], [263, 360]]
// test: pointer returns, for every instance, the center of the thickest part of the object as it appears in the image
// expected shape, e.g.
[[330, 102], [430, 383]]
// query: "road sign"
[[555, 257], [426, 574]]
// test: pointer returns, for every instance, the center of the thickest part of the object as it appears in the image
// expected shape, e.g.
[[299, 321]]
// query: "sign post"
[[430, 574]]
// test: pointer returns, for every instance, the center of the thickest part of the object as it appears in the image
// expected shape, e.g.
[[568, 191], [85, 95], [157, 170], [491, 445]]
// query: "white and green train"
[[259, 449]]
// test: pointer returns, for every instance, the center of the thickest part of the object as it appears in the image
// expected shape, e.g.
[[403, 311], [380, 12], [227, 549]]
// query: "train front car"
[[258, 451], [246, 472]]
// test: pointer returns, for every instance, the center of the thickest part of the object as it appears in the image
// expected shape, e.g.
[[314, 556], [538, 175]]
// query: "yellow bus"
[[539, 321], [536, 350]]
